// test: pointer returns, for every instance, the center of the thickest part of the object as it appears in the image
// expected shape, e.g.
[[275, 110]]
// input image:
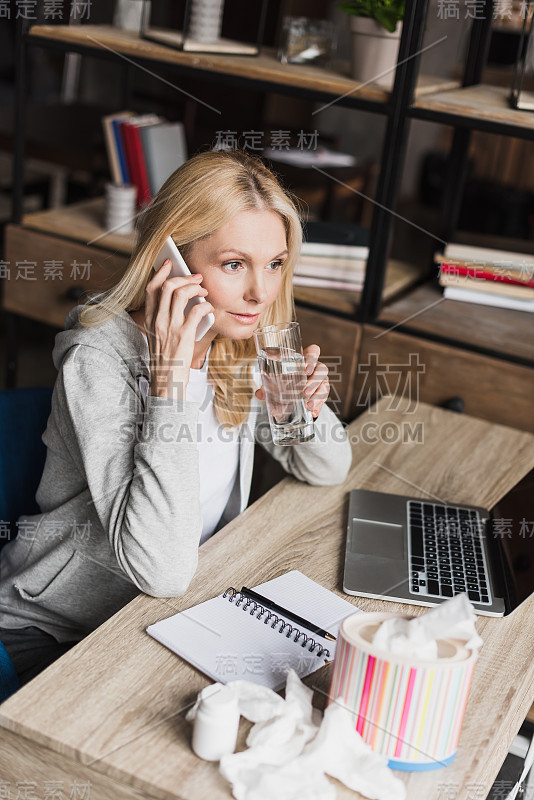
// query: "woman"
[[151, 436]]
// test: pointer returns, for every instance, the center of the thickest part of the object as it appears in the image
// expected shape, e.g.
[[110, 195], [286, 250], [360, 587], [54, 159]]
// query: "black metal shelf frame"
[[393, 149], [398, 111]]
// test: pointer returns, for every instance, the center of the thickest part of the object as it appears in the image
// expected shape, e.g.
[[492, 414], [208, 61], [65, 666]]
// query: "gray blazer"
[[119, 495]]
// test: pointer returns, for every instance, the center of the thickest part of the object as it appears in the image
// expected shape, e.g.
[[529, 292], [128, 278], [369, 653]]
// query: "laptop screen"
[[512, 530]]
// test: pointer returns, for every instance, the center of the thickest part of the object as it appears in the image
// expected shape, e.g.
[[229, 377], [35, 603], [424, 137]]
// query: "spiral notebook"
[[230, 639]]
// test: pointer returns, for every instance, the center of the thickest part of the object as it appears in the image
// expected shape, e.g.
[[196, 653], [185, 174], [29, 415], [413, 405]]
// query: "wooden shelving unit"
[[264, 68], [81, 222]]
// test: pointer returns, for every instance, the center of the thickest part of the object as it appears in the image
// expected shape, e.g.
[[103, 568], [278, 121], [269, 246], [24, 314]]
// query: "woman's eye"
[[275, 265], [232, 266]]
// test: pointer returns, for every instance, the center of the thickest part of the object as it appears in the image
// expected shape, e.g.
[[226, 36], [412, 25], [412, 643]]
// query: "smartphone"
[[180, 269]]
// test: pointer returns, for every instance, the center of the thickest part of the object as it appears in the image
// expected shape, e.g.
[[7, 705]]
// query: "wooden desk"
[[111, 711]]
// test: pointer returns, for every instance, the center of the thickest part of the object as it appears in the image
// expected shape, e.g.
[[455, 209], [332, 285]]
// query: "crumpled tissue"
[[417, 637], [291, 749]]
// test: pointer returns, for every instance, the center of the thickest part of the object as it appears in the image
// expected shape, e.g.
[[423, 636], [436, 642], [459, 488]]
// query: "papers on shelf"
[[320, 157]]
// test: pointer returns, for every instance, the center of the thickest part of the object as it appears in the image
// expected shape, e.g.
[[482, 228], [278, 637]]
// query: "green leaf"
[[386, 12]]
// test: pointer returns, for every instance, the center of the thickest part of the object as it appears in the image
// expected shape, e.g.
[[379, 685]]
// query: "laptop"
[[423, 551]]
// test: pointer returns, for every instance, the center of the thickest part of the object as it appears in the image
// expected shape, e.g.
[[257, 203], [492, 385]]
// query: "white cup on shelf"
[[206, 20], [121, 207]]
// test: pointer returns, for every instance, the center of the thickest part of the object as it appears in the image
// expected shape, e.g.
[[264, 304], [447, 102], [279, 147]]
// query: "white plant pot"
[[374, 51]]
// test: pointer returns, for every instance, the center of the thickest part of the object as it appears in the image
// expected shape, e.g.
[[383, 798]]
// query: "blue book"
[[118, 165], [121, 153]]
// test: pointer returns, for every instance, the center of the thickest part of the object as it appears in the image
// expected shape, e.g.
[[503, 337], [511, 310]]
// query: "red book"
[[485, 274], [136, 161]]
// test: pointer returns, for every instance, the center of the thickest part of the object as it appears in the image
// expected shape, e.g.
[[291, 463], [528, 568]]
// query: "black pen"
[[264, 601]]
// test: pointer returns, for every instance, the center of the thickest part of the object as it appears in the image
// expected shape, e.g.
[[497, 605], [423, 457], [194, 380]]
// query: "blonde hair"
[[199, 197]]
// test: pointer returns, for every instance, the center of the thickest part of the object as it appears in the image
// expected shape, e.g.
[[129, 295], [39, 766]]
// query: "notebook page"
[[228, 643], [308, 599]]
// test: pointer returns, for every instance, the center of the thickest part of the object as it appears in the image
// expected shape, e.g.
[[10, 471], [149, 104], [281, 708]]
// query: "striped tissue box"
[[409, 710]]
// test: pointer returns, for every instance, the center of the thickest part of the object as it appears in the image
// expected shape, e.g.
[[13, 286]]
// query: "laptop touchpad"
[[384, 539]]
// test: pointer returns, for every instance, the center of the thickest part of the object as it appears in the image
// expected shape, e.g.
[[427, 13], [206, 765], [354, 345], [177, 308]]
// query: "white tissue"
[[291, 751], [256, 703], [343, 754], [452, 619]]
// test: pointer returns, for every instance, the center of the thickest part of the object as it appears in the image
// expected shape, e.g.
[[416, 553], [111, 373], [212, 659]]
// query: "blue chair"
[[23, 417], [9, 682]]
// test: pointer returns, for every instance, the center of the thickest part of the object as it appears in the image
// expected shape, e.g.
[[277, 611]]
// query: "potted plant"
[[376, 28]]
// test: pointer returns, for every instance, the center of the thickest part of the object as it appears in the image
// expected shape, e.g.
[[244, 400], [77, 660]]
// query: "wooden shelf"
[[81, 222], [487, 103], [498, 329], [400, 276], [265, 67], [84, 222], [430, 84]]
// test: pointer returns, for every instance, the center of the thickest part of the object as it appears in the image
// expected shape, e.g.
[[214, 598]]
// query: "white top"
[[218, 450]]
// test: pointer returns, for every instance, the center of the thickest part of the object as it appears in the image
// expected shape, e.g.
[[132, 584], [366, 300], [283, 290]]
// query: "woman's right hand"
[[171, 333]]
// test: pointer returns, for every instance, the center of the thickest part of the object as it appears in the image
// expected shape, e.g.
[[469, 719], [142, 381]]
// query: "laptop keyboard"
[[446, 553]]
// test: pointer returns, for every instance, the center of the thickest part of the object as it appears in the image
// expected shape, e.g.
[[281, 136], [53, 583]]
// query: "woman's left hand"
[[317, 386]]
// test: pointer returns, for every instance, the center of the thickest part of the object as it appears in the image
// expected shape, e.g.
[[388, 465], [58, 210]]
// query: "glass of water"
[[283, 375]]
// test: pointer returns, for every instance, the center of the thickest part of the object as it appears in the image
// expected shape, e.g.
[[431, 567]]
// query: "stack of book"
[[143, 150], [325, 265], [487, 277], [333, 256]]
